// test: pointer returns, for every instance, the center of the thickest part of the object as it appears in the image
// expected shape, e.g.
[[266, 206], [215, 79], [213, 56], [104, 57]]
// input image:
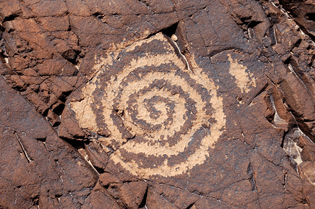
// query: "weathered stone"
[[162, 104], [37, 167]]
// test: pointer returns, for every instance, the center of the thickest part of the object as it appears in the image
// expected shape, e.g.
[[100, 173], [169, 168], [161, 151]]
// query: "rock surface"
[[157, 104]]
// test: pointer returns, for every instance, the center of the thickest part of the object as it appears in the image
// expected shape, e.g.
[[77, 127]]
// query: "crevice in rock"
[[253, 23], [35, 200], [99, 16], [171, 30], [11, 17], [59, 109], [310, 16], [98, 169], [75, 143], [41, 139], [191, 206], [144, 200], [283, 139], [64, 96], [251, 179], [71, 55]]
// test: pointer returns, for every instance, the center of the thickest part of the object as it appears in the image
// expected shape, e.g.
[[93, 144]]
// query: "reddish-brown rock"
[[157, 104]]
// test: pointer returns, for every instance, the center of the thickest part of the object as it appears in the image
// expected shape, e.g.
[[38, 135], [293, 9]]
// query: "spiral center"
[[157, 109]]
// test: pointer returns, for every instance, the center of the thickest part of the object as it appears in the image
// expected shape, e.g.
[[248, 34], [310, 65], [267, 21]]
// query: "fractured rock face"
[[38, 169], [157, 104]]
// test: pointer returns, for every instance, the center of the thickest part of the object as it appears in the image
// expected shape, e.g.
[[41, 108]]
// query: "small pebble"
[[174, 37]]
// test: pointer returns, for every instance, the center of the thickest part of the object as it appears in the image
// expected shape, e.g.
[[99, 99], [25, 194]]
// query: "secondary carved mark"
[[23, 149], [244, 80]]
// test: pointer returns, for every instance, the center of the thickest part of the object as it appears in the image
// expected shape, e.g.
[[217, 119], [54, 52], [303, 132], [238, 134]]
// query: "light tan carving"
[[156, 141]]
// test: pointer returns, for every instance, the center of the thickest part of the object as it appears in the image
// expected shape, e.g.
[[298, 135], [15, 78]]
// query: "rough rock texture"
[[157, 104]]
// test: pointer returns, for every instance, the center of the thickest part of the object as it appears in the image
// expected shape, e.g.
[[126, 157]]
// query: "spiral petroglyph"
[[157, 117]]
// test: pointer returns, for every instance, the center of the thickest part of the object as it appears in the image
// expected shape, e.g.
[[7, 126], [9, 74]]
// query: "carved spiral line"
[[168, 111], [156, 149]]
